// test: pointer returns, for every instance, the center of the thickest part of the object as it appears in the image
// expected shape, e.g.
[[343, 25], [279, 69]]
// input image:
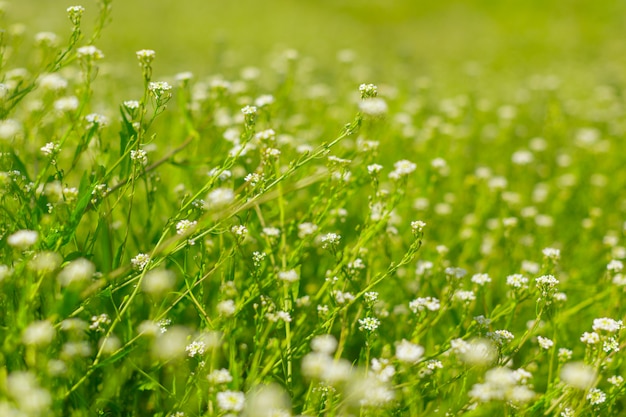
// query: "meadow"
[[313, 208]]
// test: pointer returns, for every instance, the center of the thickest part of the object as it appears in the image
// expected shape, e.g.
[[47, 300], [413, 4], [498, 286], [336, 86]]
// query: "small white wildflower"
[[271, 232], [610, 344], [258, 257], [264, 100], [289, 276], [249, 110], [330, 240], [516, 281], [544, 342], [552, 253], [160, 89], [368, 90], [373, 107], [219, 197], [230, 400], [220, 376], [95, 120], [369, 324], [479, 352], [23, 239], [565, 355], [408, 352], [402, 169], [50, 149], [590, 338], [145, 56], [10, 129], [66, 104], [326, 344], [422, 303], [239, 230], [615, 266], [616, 380], [342, 297], [370, 297], [79, 270], [481, 279], [38, 333], [52, 82], [374, 169], [89, 52], [596, 396], [578, 375], [158, 281], [185, 226], [465, 296], [140, 261], [131, 104], [546, 284], [417, 226], [98, 321], [139, 156], [226, 308], [607, 324], [195, 348], [501, 336], [306, 229]]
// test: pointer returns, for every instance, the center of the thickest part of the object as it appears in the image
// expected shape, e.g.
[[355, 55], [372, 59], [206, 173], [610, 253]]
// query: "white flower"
[[226, 308], [185, 226], [66, 104], [139, 156], [220, 376], [306, 229], [373, 107], [140, 261], [38, 333], [417, 226], [197, 347], [288, 276], [369, 324], [374, 168], [230, 400], [10, 129], [551, 253], [330, 240], [544, 342], [23, 239], [615, 266], [89, 52], [578, 375], [422, 303], [596, 396], [158, 281], [590, 338], [219, 197], [98, 321], [96, 120], [146, 55], [479, 352], [78, 270], [465, 296], [368, 90], [402, 169], [325, 343], [607, 324], [481, 279], [408, 352]]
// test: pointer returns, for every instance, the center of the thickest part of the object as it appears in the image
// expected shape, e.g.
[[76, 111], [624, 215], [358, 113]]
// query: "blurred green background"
[[205, 36]]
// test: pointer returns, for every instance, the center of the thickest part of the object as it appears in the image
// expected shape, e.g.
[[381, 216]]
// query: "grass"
[[272, 235]]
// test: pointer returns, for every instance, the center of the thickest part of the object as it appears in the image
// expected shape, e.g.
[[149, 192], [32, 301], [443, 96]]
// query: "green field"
[[312, 208]]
